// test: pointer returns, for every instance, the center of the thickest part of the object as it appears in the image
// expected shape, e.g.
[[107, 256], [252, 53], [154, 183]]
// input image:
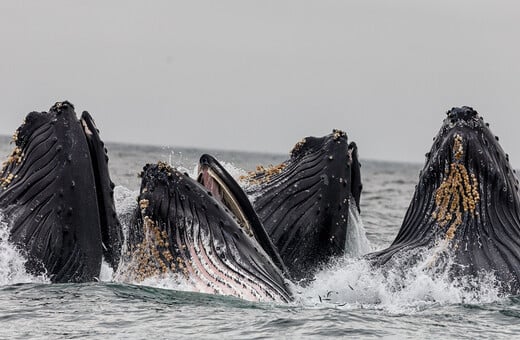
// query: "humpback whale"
[[56, 193], [466, 207], [182, 229], [304, 202]]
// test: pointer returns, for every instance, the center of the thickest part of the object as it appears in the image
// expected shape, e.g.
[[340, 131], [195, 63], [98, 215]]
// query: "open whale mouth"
[[212, 176], [56, 191], [184, 230]]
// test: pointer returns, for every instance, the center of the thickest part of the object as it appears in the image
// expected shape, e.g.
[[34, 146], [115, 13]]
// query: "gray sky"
[[260, 75]]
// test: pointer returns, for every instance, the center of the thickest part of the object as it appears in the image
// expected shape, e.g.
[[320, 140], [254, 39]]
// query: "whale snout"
[[464, 113]]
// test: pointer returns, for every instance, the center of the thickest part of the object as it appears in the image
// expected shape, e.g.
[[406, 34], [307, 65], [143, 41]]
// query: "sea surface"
[[347, 299]]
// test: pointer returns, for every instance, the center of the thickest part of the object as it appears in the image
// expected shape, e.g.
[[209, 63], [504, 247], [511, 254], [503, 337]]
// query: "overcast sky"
[[260, 75]]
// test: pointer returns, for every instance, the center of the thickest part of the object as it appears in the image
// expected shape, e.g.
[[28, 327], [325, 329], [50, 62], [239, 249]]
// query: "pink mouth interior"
[[210, 184]]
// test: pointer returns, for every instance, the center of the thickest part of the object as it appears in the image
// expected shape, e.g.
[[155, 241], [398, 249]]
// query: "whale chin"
[[466, 206], [56, 193]]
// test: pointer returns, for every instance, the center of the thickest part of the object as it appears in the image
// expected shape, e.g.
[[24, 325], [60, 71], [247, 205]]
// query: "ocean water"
[[346, 299]]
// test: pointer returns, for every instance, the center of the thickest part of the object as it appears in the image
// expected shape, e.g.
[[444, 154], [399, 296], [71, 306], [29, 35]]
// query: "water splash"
[[107, 273], [12, 263], [233, 170], [357, 243], [171, 281], [355, 283], [193, 172], [126, 202]]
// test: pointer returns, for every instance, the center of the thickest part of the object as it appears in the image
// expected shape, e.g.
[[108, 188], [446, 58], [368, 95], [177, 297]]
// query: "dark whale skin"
[[49, 197], [304, 202]]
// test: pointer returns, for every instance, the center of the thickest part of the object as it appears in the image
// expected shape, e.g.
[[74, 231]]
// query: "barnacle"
[[458, 193], [152, 256], [262, 174]]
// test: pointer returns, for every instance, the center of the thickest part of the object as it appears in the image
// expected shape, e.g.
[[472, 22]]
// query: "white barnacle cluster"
[[163, 166], [458, 193], [15, 158], [152, 257], [337, 134], [262, 174], [298, 146], [5, 181], [144, 203]]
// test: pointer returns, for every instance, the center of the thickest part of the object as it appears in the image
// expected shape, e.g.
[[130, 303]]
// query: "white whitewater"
[[354, 283], [12, 263], [357, 242]]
